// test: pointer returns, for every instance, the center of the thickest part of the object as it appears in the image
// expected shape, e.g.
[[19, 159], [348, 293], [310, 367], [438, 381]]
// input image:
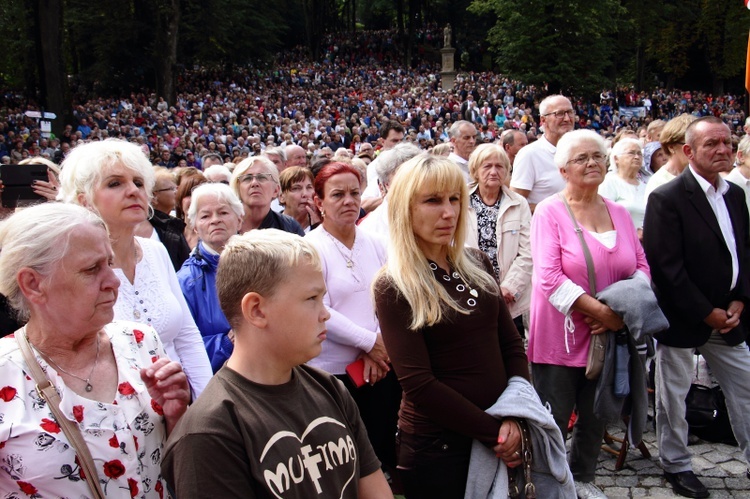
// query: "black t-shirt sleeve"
[[204, 466]]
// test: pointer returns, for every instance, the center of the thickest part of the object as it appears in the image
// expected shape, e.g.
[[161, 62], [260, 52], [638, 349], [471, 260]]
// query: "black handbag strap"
[[586, 252]]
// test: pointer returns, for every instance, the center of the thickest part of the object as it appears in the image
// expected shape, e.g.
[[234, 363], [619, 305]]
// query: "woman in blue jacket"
[[216, 214]]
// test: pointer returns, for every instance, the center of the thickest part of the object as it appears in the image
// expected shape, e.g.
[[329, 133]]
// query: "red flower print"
[[50, 426], [154, 359], [78, 412], [114, 468], [160, 489], [27, 488], [80, 469], [133, 487], [138, 335], [156, 407], [113, 442], [7, 393], [135, 440], [126, 388]]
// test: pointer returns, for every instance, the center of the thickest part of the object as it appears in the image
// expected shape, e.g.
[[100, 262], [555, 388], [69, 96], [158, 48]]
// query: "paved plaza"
[[720, 467]]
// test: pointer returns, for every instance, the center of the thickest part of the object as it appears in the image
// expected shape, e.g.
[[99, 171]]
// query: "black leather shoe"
[[686, 484]]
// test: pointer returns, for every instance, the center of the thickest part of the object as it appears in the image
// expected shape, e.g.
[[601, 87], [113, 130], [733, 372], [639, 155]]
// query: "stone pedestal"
[[448, 71]]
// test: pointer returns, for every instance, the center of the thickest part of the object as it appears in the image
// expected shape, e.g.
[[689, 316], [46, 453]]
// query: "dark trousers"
[[433, 466], [566, 388], [378, 407]]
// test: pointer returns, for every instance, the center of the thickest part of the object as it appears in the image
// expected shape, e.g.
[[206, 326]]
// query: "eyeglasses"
[[633, 153], [172, 189], [584, 159], [260, 177], [561, 114]]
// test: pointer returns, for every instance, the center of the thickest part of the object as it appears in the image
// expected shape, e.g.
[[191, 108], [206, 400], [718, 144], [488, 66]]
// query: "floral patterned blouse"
[[487, 225], [125, 437]]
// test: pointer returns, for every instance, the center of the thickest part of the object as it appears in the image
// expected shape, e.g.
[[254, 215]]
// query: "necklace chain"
[[337, 244], [86, 380]]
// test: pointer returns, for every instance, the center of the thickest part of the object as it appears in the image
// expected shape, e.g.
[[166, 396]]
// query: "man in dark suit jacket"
[[698, 247]]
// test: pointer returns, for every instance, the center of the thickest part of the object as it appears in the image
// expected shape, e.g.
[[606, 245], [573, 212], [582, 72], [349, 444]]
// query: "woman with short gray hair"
[[626, 185], [215, 213], [565, 313]]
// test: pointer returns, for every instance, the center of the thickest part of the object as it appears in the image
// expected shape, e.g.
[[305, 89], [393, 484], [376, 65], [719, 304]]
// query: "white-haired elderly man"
[[535, 175]]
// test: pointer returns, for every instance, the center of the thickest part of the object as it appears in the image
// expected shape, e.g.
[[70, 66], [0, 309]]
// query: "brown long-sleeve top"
[[453, 371]]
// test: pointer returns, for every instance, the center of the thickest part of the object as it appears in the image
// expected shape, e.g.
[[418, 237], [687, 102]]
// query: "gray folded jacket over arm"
[[634, 301]]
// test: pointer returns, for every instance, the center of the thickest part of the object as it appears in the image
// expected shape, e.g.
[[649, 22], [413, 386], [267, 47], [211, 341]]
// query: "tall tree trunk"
[[166, 49], [413, 11], [56, 93], [640, 67], [400, 18]]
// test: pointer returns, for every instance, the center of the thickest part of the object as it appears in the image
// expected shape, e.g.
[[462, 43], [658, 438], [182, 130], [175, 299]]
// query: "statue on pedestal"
[[447, 32]]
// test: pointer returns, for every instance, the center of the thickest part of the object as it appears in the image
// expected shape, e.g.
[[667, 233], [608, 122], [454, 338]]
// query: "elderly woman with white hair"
[[215, 214], [218, 173], [740, 174], [71, 370], [564, 311], [114, 179], [626, 184], [256, 182]]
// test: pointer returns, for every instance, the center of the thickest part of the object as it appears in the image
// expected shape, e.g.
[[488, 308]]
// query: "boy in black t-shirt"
[[266, 425]]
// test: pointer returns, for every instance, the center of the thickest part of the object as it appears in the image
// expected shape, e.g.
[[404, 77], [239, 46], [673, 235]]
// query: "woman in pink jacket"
[[564, 311]]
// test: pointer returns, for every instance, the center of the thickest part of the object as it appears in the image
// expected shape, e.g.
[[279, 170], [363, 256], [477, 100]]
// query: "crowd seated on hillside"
[[337, 101]]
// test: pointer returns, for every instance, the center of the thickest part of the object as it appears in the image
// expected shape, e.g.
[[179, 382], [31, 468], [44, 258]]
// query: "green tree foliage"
[[565, 45], [722, 33], [673, 37], [232, 31]]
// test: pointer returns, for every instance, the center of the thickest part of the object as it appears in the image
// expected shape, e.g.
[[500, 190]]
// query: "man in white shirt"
[[391, 133], [387, 164], [463, 136], [535, 175]]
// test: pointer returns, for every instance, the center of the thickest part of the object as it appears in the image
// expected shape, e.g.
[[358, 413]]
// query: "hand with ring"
[[47, 190], [508, 446]]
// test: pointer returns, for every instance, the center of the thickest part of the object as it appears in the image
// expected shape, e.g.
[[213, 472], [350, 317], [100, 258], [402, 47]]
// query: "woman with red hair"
[[350, 259]]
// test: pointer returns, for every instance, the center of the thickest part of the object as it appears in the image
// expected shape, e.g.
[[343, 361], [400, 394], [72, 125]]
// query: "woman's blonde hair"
[[485, 152], [408, 268]]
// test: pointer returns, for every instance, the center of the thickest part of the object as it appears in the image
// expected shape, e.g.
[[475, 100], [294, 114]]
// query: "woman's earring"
[[151, 212]]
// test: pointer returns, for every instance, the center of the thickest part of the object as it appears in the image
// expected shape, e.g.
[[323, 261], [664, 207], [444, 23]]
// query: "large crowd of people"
[[360, 283]]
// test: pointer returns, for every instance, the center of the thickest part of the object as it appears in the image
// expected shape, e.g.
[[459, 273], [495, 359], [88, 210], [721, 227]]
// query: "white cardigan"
[[513, 232], [156, 299], [353, 326]]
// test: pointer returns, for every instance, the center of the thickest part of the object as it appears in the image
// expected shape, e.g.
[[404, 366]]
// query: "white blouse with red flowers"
[[125, 437]]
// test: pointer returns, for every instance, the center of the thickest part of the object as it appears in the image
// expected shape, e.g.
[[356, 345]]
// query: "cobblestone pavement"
[[720, 467]]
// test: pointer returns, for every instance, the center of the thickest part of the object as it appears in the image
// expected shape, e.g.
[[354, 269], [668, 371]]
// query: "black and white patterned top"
[[486, 225]]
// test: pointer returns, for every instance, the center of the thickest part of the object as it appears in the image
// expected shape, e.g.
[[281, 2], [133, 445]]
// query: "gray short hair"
[[86, 165], [619, 148], [217, 170], [220, 191], [454, 130], [388, 161], [37, 237], [573, 139], [248, 163], [544, 105], [276, 151]]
